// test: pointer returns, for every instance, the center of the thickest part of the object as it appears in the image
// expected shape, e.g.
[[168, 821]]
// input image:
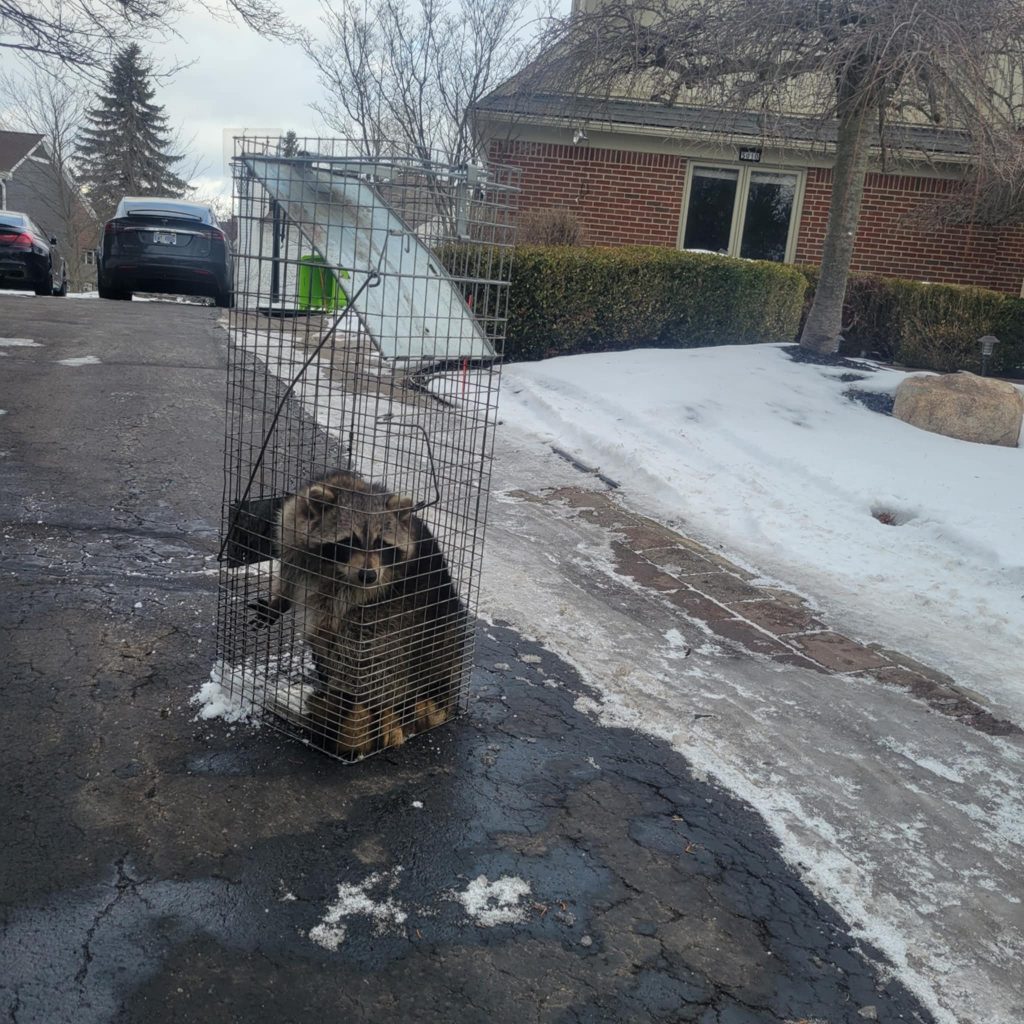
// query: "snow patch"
[[80, 361], [383, 912], [19, 343], [494, 903], [769, 457], [677, 645], [221, 695], [237, 692]]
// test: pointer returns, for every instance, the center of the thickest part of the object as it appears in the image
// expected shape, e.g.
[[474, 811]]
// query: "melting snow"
[[769, 457], [493, 903], [79, 361], [355, 901]]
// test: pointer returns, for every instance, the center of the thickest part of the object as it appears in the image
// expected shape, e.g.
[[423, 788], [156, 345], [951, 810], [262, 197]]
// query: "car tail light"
[[19, 241], [113, 227], [217, 235]]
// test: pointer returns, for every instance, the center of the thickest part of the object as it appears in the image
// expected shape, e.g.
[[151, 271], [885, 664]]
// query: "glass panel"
[[769, 209], [709, 217]]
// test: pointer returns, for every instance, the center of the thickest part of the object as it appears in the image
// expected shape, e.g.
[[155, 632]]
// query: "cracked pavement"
[[157, 868]]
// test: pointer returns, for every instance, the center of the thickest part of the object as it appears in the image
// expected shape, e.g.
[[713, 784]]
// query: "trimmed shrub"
[[552, 225], [928, 326], [572, 299]]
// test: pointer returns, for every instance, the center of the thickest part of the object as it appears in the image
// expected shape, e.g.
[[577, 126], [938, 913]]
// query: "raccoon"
[[376, 603]]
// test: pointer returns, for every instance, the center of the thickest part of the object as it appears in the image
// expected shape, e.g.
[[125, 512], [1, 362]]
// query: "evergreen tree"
[[123, 151]]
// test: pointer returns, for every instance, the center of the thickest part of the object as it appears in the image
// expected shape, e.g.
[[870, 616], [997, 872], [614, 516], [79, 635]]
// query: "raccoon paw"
[[391, 732], [430, 714], [355, 732]]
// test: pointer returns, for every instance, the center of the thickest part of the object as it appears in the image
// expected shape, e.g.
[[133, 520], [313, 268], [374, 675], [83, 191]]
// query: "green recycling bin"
[[319, 287]]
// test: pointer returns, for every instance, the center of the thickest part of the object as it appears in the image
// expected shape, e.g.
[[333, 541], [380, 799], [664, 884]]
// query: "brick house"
[[643, 173], [32, 183]]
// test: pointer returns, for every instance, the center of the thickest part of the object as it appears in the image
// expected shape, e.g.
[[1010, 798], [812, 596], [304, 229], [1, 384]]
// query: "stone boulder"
[[962, 405]]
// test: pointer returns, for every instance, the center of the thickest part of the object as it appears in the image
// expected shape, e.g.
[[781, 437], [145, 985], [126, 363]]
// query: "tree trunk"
[[825, 319]]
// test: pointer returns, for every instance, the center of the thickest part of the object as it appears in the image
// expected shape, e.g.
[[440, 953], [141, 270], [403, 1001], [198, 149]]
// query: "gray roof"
[[15, 146], [702, 121]]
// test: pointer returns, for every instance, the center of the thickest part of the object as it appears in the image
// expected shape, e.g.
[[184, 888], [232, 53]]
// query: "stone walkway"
[[763, 620]]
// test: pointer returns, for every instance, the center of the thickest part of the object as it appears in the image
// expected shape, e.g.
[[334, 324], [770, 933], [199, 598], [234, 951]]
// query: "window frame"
[[739, 207]]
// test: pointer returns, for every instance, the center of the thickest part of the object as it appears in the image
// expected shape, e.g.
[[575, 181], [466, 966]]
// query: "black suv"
[[164, 245], [28, 259]]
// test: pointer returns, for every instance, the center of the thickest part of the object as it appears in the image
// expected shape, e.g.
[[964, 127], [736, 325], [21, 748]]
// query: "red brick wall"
[[890, 242], [621, 198], [627, 198]]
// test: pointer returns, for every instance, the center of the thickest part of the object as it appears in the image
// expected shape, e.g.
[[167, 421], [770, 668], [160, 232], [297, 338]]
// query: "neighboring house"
[[31, 183], [640, 172]]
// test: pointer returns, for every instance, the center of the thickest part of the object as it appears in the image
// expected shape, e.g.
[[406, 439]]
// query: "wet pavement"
[[523, 864]]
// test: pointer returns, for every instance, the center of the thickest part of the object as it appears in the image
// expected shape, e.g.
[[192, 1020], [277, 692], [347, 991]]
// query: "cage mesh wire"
[[364, 363]]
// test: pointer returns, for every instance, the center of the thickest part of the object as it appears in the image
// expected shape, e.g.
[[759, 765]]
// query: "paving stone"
[[610, 518], [786, 597], [907, 662], [750, 636], [629, 563], [699, 606], [534, 499], [918, 684], [644, 534], [779, 618], [797, 661], [838, 653], [722, 586], [579, 497], [679, 560], [723, 563]]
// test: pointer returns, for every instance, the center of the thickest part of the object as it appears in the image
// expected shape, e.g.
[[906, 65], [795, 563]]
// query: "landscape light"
[[988, 344]]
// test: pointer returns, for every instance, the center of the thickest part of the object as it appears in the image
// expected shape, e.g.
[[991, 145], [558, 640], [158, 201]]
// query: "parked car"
[[28, 258], [168, 246]]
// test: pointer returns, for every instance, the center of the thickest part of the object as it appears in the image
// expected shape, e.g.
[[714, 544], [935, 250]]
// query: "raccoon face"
[[357, 537]]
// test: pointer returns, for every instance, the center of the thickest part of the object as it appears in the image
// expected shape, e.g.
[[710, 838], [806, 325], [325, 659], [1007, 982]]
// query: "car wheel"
[[63, 289], [225, 300]]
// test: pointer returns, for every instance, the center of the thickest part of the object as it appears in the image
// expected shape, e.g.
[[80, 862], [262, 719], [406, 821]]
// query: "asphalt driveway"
[[523, 864]]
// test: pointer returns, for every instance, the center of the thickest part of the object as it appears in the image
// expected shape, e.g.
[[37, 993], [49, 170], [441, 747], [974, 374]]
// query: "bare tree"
[[45, 101], [852, 72], [83, 33], [409, 73]]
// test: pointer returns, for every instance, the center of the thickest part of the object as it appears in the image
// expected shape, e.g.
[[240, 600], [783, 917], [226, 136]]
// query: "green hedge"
[[929, 326], [571, 299]]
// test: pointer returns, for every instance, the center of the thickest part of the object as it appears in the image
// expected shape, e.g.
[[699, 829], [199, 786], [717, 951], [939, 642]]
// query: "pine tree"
[[123, 151]]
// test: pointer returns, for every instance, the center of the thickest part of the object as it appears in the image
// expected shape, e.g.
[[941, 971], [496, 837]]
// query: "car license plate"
[[165, 238]]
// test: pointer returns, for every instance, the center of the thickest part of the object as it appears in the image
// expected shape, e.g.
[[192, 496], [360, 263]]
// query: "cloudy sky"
[[236, 80], [231, 80]]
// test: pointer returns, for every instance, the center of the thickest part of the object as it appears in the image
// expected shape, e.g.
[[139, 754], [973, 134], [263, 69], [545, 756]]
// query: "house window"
[[741, 211], [89, 257]]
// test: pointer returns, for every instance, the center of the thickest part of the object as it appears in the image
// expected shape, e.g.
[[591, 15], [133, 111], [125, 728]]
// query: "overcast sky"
[[238, 81], [235, 80]]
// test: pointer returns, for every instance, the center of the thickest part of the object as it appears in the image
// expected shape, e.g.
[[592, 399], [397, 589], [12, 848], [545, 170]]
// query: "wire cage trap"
[[364, 364]]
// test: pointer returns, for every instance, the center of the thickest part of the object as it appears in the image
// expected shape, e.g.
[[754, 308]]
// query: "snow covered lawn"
[[742, 446]]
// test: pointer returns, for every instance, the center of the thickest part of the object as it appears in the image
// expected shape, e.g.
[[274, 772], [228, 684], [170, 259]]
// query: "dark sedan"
[[28, 258], [168, 246]]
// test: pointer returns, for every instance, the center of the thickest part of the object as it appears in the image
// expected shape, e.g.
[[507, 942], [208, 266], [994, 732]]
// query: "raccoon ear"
[[310, 504], [400, 503]]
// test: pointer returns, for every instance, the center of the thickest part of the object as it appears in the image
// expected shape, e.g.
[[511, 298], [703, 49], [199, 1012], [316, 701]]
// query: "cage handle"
[[390, 418]]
